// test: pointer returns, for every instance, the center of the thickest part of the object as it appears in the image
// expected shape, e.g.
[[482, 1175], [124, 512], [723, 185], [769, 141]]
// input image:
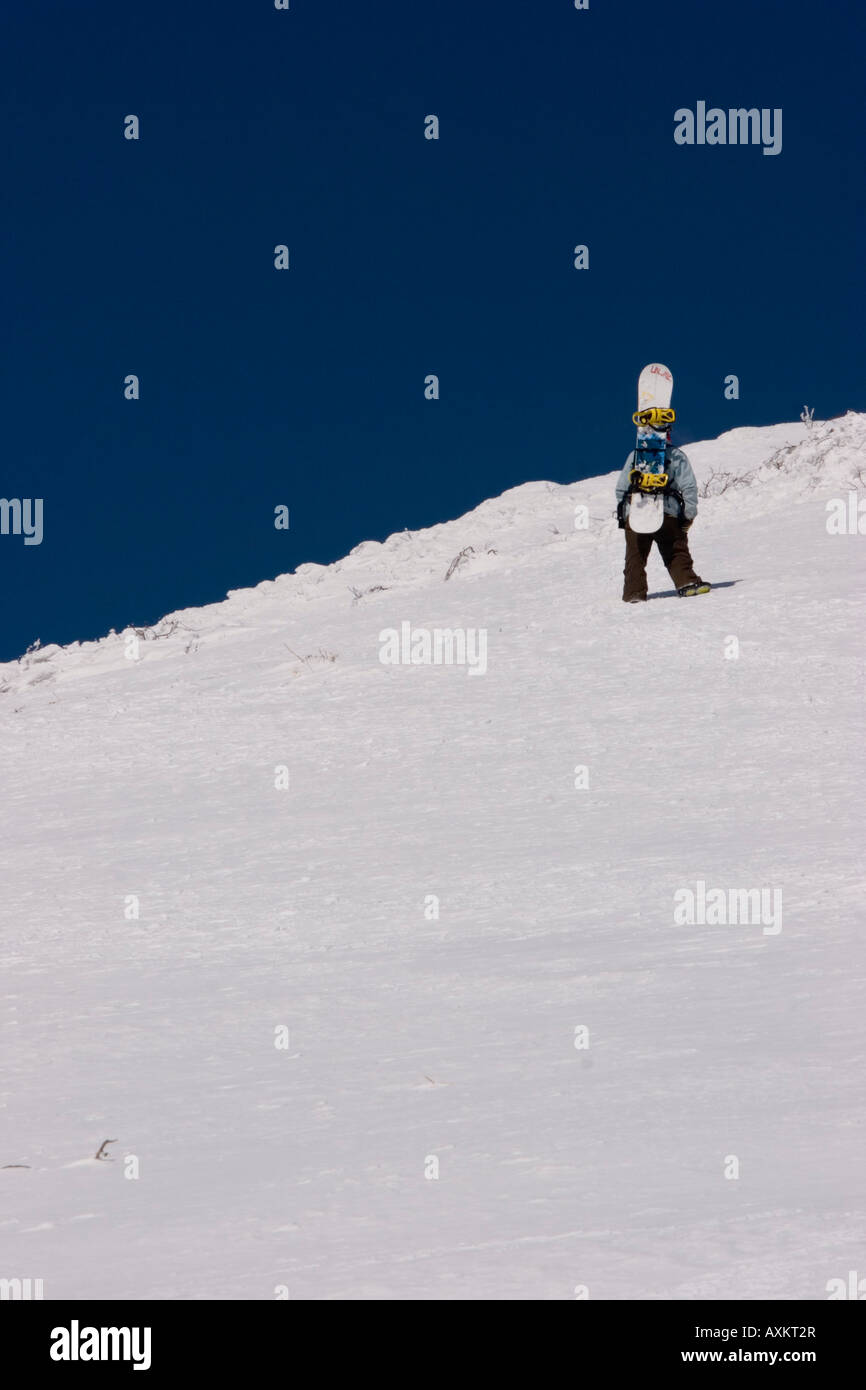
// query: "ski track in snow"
[[453, 1037]]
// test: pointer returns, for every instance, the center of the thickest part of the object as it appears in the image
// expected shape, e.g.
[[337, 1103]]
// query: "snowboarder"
[[680, 510]]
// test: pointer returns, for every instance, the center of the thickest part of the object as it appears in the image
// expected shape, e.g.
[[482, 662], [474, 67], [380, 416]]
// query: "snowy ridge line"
[[745, 471]]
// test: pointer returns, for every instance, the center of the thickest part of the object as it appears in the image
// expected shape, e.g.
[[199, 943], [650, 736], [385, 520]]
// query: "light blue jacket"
[[680, 475]]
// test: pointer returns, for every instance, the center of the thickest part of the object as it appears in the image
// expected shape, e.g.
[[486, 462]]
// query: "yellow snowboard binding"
[[647, 482], [655, 417]]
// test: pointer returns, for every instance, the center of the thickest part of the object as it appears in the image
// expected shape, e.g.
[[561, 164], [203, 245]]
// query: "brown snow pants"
[[672, 541]]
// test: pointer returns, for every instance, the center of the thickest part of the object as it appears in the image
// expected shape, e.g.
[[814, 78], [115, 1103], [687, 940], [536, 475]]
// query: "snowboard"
[[653, 418]]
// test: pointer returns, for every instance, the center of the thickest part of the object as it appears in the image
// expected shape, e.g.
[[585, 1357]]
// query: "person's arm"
[[687, 484], [624, 478]]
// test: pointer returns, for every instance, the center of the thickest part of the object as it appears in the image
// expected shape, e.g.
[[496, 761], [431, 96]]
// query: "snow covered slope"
[[168, 906]]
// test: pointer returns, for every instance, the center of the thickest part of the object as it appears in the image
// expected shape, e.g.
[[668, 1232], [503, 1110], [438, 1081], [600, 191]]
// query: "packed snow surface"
[[450, 944]]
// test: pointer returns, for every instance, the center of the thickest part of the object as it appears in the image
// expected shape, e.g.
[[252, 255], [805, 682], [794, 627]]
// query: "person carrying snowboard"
[[680, 501]]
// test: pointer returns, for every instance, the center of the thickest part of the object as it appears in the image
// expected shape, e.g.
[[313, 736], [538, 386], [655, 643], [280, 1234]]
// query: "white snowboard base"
[[645, 514], [655, 386]]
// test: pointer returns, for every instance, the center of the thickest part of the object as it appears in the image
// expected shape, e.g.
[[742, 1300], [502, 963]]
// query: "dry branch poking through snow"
[[362, 593], [320, 655], [459, 560]]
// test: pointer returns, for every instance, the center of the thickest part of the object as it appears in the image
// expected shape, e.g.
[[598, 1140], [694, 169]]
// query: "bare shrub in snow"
[[165, 628], [459, 560], [721, 481], [808, 458], [319, 655], [781, 460]]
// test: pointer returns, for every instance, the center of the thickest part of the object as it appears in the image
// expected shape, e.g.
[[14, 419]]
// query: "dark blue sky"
[[408, 257]]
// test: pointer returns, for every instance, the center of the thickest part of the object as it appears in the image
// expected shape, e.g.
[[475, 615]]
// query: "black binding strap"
[[665, 492]]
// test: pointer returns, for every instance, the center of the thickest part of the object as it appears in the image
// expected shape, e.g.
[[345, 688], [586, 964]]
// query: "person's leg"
[[673, 544], [637, 548]]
